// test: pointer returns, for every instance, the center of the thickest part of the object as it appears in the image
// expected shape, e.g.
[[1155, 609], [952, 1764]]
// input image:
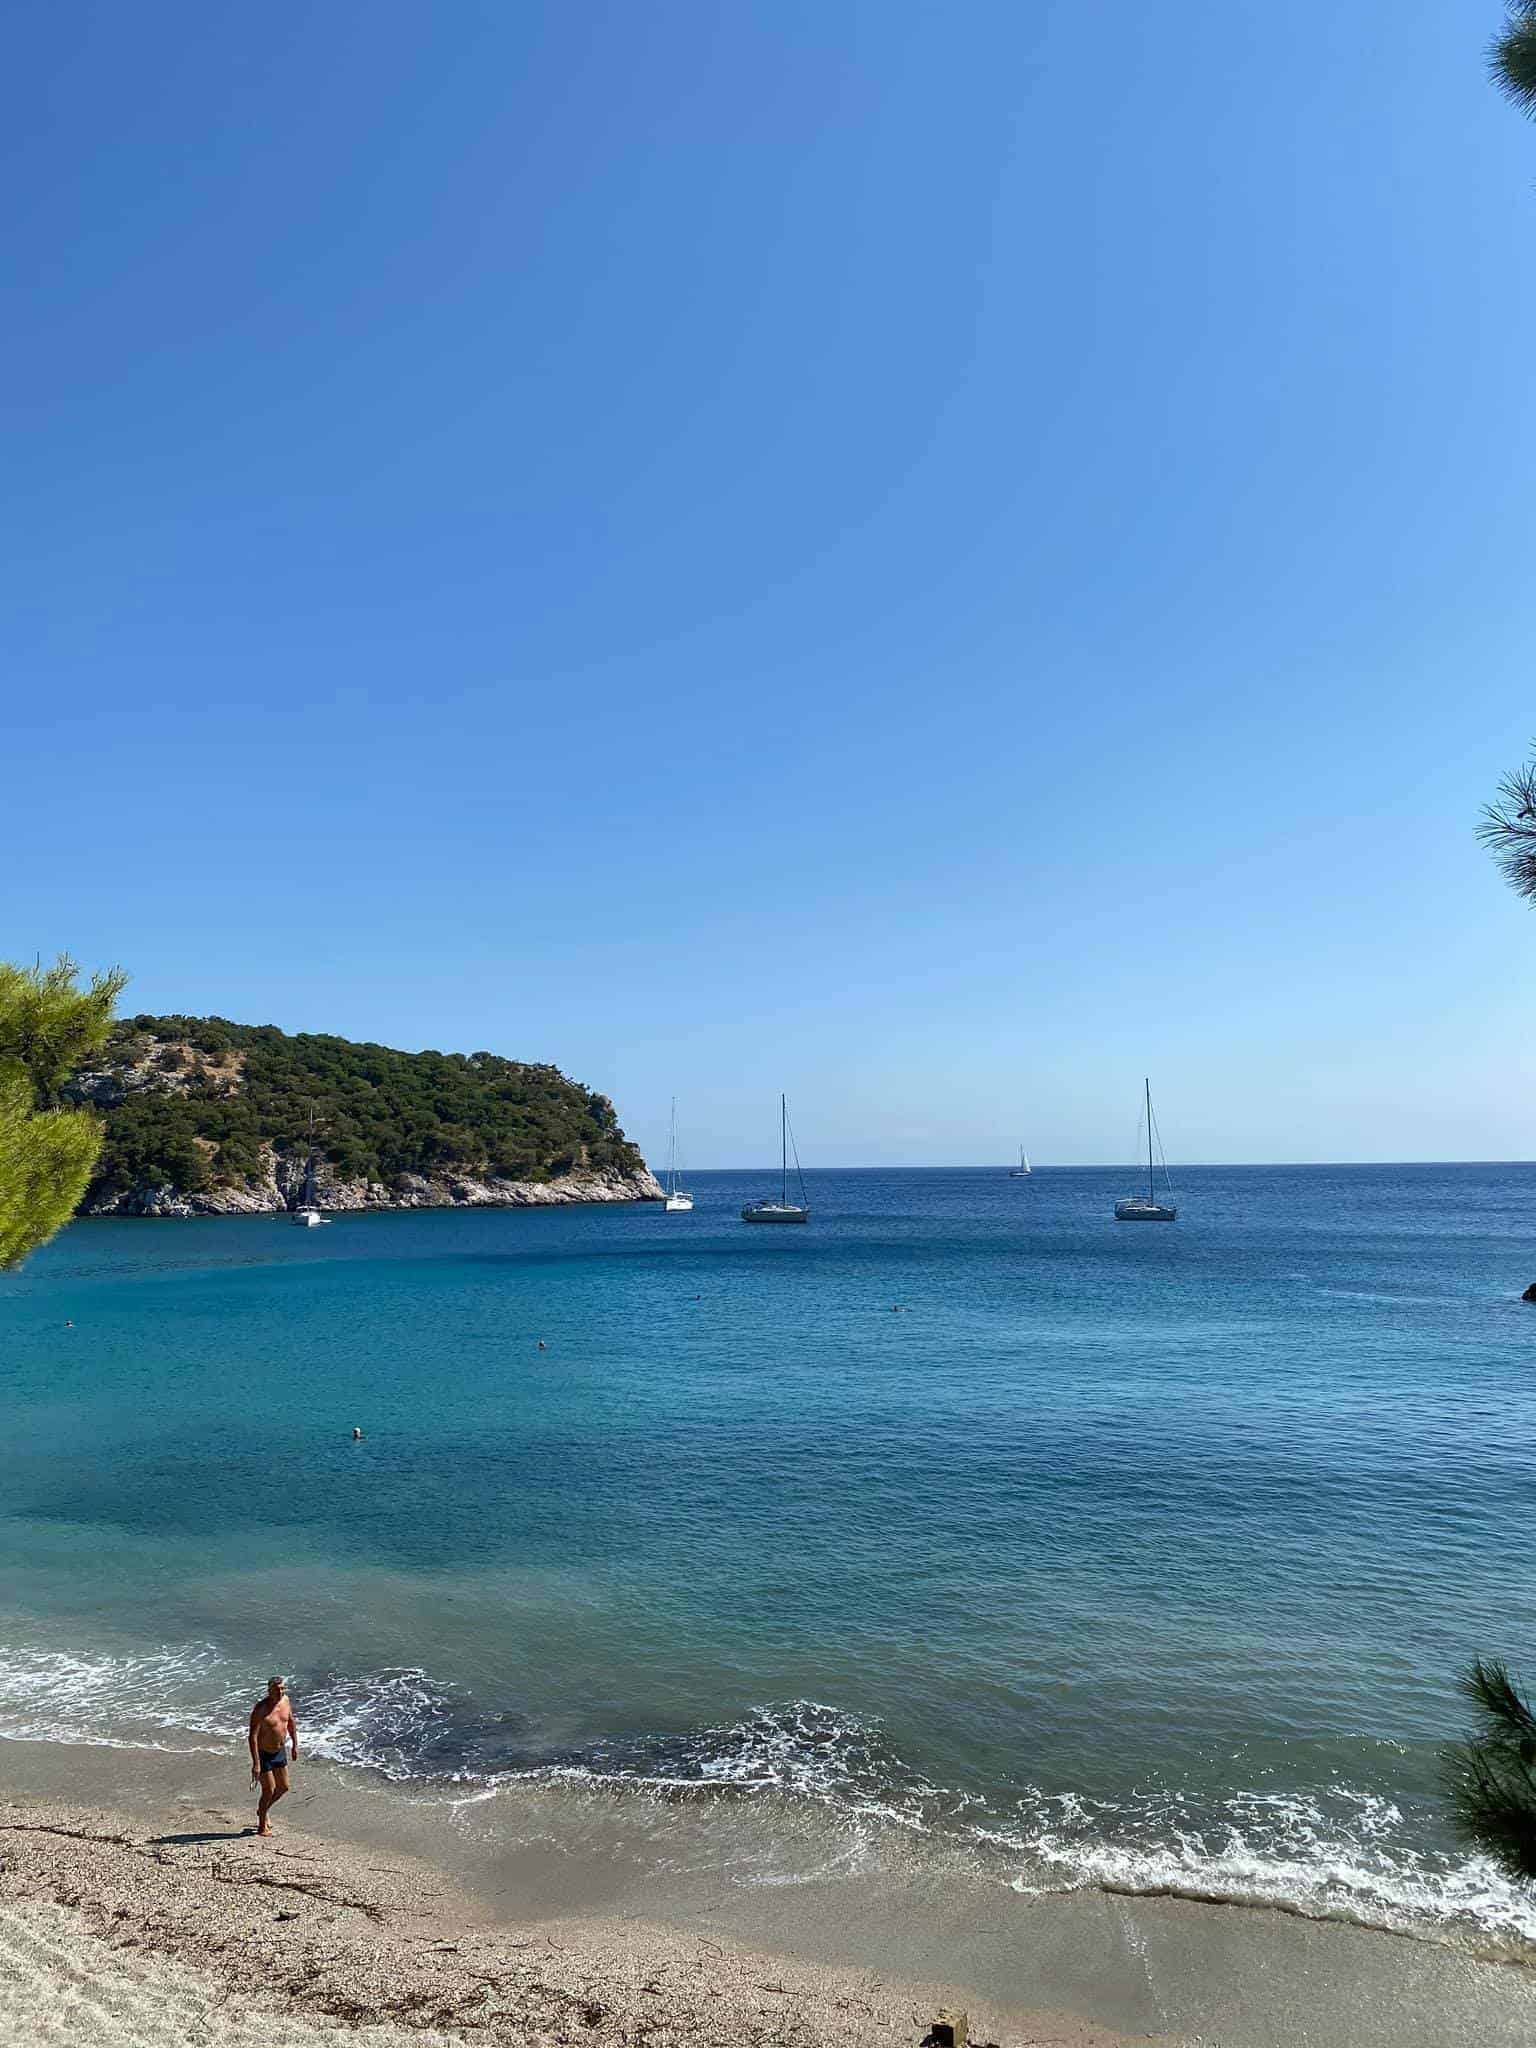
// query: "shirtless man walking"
[[272, 1729]]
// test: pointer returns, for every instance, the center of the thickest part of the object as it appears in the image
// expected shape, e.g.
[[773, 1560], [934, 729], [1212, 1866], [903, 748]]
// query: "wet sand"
[[535, 1916]]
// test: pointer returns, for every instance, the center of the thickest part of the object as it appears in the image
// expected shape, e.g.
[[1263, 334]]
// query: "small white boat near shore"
[[307, 1216]]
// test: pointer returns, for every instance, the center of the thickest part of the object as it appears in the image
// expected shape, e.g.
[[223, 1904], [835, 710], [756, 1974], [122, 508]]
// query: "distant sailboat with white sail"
[[1018, 1172], [678, 1197]]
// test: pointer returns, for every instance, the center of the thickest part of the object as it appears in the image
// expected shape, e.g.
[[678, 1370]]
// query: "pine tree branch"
[[1508, 829], [1512, 56]]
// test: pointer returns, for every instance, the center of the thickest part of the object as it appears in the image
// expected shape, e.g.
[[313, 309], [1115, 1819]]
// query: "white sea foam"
[[1345, 1854], [376, 1721], [62, 1696], [802, 1748], [386, 1721]]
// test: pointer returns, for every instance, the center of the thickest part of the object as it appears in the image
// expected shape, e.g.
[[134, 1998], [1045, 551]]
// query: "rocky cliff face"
[[280, 1187]]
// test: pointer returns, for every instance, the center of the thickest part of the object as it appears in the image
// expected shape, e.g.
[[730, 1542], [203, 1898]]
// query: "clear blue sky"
[[938, 556]]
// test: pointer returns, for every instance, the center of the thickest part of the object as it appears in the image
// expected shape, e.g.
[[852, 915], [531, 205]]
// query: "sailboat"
[[783, 1210], [307, 1216], [1147, 1208], [677, 1197], [1018, 1172]]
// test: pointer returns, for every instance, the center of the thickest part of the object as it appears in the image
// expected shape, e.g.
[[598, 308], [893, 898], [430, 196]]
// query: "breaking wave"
[[804, 1748]]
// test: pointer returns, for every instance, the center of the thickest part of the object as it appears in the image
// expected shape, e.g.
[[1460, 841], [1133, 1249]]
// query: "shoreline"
[[792, 1798], [584, 1189], [610, 1891]]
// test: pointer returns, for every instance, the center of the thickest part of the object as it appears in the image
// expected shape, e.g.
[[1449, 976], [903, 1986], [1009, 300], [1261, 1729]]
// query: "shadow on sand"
[[207, 1835]]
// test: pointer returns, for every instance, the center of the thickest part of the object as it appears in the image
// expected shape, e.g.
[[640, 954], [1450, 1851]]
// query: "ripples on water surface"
[[1106, 1554]]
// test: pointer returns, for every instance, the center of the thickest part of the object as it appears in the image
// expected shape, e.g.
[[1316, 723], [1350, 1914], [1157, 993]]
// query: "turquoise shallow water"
[[1099, 1553]]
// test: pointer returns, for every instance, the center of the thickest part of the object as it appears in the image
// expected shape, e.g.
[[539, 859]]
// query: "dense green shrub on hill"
[[204, 1095]]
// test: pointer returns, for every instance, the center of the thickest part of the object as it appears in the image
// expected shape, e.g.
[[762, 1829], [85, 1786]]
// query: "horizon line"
[[1114, 1166]]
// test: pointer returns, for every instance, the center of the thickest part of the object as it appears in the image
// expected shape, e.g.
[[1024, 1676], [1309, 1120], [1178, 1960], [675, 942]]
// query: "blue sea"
[[1089, 1553]]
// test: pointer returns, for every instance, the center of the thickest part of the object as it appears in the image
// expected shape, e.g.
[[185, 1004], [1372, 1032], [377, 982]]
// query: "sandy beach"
[[136, 1908], [113, 1934]]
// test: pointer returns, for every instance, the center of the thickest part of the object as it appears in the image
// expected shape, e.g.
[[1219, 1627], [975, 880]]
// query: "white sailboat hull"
[[775, 1212], [308, 1219], [678, 1201]]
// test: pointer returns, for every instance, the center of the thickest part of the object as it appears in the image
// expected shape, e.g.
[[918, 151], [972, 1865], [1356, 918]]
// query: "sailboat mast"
[[1150, 1195], [783, 1152], [672, 1152]]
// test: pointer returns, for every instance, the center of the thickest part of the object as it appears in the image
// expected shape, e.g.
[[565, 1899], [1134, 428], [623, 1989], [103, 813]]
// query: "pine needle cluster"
[[1512, 57], [1508, 829], [1492, 1777]]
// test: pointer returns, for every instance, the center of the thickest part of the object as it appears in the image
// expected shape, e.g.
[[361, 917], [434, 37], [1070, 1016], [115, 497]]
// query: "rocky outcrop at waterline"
[[277, 1191]]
